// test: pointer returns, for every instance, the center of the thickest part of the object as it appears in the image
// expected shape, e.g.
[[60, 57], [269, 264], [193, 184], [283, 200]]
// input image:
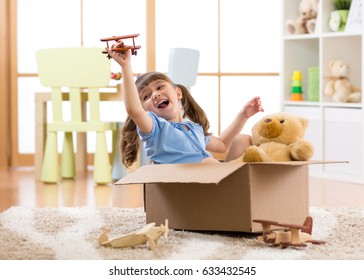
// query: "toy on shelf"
[[313, 83], [115, 76], [296, 86], [339, 87], [120, 46], [149, 235], [306, 20], [339, 16], [289, 236]]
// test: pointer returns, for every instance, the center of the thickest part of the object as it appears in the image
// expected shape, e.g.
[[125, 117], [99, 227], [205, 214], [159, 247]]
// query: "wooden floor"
[[19, 188]]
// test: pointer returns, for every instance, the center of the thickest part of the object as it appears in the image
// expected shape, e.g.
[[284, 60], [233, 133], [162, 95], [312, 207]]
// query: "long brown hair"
[[129, 138]]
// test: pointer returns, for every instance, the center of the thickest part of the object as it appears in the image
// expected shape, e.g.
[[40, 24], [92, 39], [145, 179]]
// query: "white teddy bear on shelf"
[[306, 21], [339, 86]]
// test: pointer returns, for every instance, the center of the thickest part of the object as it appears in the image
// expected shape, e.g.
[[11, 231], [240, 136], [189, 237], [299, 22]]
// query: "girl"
[[157, 111]]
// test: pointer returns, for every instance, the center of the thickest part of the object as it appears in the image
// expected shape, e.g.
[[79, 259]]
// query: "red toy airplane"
[[291, 235], [120, 46]]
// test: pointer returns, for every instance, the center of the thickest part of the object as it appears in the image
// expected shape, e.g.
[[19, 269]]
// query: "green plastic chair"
[[78, 70]]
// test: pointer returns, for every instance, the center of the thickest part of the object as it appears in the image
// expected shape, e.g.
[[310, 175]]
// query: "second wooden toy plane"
[[290, 236], [150, 234]]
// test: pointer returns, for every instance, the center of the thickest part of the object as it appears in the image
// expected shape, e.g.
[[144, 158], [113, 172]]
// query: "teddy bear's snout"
[[270, 128]]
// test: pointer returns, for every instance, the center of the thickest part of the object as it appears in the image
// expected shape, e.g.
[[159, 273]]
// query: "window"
[[69, 23], [239, 46]]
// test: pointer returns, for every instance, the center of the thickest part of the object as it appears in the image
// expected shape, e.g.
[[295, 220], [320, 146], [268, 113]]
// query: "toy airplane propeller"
[[289, 236], [120, 46], [149, 235]]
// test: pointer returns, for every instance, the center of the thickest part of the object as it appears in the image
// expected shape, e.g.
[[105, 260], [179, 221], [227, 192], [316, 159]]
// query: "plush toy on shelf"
[[306, 21], [279, 137], [339, 86]]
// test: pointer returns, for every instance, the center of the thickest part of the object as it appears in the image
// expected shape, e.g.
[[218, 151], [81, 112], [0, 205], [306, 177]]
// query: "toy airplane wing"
[[117, 38], [127, 240], [292, 226], [266, 224], [146, 229], [130, 239], [124, 48]]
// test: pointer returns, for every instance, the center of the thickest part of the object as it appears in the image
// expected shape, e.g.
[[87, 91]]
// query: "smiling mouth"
[[163, 104]]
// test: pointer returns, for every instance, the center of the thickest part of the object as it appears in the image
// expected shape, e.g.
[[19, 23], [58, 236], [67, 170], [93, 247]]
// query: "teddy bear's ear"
[[304, 123]]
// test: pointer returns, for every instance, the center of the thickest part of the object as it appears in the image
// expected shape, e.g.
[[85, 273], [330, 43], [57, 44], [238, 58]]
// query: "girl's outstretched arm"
[[132, 102], [222, 143]]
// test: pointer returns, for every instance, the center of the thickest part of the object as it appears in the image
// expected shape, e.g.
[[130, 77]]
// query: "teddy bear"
[[279, 137], [339, 86], [306, 21]]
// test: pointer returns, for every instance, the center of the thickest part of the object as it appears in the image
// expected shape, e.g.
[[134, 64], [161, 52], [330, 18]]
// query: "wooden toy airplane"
[[291, 235], [120, 46], [149, 234]]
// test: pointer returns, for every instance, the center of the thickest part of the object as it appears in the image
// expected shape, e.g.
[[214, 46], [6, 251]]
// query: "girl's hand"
[[252, 107], [123, 59]]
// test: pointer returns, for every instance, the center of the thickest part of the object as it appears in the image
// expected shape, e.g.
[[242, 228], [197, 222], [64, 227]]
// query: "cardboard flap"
[[203, 173]]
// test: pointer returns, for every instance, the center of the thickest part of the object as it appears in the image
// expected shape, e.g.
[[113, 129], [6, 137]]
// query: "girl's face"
[[162, 98]]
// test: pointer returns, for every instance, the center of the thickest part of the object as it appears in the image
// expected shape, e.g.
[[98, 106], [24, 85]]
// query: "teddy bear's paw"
[[339, 97], [354, 97], [302, 150], [252, 155], [311, 26], [329, 88], [290, 27]]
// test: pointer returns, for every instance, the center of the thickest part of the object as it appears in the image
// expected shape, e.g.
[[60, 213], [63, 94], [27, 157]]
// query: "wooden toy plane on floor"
[[289, 236], [149, 235], [120, 46]]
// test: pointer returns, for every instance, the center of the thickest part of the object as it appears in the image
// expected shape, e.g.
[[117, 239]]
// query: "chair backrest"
[[183, 66], [77, 69]]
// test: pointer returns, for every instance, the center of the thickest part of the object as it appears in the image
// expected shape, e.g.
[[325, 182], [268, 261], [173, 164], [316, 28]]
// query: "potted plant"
[[339, 16]]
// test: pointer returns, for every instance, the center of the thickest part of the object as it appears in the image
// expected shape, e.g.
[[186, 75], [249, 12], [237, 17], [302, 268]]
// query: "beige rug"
[[72, 233]]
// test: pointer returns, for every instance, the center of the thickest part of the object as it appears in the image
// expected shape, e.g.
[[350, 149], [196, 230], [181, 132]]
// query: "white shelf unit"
[[335, 129]]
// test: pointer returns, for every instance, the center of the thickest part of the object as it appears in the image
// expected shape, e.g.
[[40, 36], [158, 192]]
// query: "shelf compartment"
[[347, 49], [299, 55]]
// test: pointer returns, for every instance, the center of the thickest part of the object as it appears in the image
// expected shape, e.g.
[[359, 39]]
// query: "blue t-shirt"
[[169, 142]]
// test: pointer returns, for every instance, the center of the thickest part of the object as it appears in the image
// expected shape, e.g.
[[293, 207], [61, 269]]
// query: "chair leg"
[[50, 168], [102, 167], [68, 157]]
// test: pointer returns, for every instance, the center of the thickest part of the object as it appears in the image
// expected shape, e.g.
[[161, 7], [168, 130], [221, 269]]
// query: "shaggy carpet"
[[72, 234]]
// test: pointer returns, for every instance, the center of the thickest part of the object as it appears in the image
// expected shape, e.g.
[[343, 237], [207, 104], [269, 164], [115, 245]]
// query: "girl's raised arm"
[[132, 102], [222, 143]]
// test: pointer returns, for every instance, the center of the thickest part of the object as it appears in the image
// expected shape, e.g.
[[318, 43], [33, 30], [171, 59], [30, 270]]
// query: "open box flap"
[[204, 173]]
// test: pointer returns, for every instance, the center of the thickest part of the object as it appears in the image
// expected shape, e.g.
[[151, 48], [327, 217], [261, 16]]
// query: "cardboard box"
[[224, 197]]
